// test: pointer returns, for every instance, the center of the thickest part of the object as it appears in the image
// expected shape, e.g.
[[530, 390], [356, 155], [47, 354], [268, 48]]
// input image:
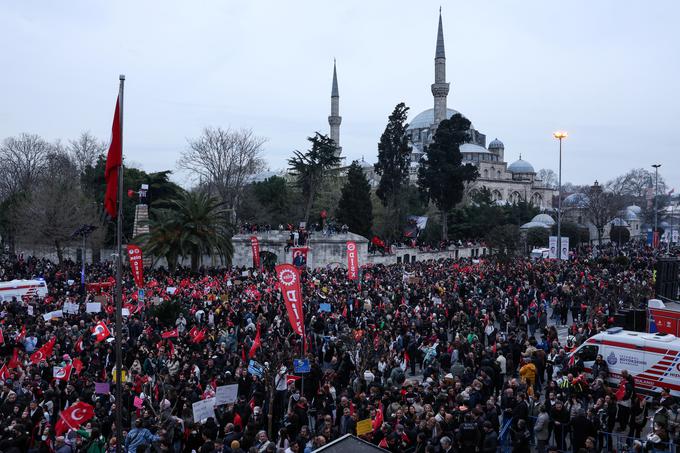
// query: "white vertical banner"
[[552, 245], [565, 248]]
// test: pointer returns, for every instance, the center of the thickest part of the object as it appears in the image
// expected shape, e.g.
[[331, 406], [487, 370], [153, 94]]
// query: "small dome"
[[365, 164], [521, 166], [533, 224], [576, 200], [619, 222], [425, 119], [634, 209], [496, 144], [544, 218]]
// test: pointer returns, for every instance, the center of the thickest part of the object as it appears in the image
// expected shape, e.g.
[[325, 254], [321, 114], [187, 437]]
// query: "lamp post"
[[559, 135], [656, 197]]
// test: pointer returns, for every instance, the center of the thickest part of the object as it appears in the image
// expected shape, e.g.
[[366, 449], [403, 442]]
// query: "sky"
[[606, 71]]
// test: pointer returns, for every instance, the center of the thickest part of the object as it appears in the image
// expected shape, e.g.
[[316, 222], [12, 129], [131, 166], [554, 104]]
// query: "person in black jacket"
[[490, 439]]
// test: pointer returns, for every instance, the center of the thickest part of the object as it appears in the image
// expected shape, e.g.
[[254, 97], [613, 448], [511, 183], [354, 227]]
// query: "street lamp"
[[656, 197], [559, 135]]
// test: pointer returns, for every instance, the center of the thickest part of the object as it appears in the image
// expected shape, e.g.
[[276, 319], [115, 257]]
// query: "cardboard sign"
[[53, 314], [364, 427], [71, 308], [203, 409], [93, 307], [226, 394]]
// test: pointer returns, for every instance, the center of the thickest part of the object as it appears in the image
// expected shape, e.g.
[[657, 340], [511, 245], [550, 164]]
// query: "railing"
[[504, 439]]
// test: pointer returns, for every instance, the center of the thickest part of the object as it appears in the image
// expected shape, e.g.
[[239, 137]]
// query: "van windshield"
[[588, 353]]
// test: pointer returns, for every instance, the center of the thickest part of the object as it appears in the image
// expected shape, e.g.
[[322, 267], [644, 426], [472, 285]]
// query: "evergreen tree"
[[442, 176], [355, 209], [311, 167], [392, 166]]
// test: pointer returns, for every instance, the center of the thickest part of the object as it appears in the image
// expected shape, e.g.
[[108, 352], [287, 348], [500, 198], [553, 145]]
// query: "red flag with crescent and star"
[[44, 352], [101, 332], [73, 417]]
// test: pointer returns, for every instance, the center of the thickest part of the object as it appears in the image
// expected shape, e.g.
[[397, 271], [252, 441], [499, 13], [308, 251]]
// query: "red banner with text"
[[352, 261], [255, 246], [289, 279], [136, 264]]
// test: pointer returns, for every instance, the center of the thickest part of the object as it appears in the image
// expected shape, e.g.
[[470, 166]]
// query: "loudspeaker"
[[667, 278]]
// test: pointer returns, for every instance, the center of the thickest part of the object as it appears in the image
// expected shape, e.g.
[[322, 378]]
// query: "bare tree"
[[548, 177], [602, 207], [635, 184], [223, 160], [22, 160], [54, 206], [85, 150]]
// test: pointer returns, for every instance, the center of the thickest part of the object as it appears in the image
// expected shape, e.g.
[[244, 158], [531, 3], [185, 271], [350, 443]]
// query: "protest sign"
[[93, 307], [203, 409], [226, 394]]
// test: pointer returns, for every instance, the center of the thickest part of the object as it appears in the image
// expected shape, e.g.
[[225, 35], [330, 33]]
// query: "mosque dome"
[[472, 148], [619, 222], [576, 200], [533, 224], [425, 119], [637, 210], [521, 166], [544, 218], [496, 144]]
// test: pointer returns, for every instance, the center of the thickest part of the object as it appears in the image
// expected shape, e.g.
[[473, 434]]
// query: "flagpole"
[[119, 289]]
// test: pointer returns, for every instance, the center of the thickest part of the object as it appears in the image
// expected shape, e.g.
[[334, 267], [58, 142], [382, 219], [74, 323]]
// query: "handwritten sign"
[[71, 308], [93, 307], [53, 314], [203, 409], [226, 394]]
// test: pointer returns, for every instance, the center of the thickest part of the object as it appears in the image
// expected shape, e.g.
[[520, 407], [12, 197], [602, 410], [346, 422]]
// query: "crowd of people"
[[438, 356]]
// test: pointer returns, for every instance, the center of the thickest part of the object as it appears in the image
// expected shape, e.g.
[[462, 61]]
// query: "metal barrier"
[[504, 439], [618, 442]]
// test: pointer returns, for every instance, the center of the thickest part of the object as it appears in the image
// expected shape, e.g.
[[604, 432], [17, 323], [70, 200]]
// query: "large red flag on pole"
[[113, 162], [255, 246], [289, 277]]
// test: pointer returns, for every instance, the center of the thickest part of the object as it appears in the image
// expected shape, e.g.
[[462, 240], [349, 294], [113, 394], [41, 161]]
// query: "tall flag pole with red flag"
[[113, 203]]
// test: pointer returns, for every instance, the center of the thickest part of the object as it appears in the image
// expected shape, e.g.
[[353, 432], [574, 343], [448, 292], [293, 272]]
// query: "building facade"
[[508, 183]]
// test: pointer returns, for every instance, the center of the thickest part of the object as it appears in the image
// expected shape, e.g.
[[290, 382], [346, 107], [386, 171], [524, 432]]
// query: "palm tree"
[[194, 224]]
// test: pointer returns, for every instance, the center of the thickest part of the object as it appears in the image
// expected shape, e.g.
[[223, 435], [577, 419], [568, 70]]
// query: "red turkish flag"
[[44, 352], [100, 332], [136, 264], [73, 417], [114, 160], [196, 336], [2, 337], [78, 347], [174, 333], [257, 342], [77, 365], [352, 261], [63, 373], [291, 378], [289, 277], [4, 372], [14, 361], [20, 337]]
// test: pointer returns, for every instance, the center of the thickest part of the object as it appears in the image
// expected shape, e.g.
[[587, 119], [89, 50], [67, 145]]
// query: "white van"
[[21, 288], [653, 359], [540, 253]]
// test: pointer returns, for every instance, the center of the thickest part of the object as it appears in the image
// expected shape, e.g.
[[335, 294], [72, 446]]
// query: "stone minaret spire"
[[440, 88], [335, 119]]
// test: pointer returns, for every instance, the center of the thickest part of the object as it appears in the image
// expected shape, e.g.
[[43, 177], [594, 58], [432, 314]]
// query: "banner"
[[552, 245], [352, 261], [300, 256], [136, 264], [289, 278], [255, 246], [203, 409], [565, 248]]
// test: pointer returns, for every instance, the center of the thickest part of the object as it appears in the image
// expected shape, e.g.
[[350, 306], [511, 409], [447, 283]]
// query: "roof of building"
[[533, 224], [576, 200], [472, 148], [617, 221], [425, 119], [495, 143], [521, 166], [544, 218], [439, 53], [348, 442]]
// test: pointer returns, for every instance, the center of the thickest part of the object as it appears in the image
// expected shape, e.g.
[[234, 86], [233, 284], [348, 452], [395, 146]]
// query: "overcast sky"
[[607, 71]]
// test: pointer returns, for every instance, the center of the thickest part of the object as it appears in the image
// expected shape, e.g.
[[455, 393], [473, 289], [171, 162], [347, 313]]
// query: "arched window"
[[486, 173], [515, 197], [536, 199], [497, 195], [498, 175]]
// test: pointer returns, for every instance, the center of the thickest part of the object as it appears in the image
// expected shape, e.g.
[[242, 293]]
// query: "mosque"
[[508, 183]]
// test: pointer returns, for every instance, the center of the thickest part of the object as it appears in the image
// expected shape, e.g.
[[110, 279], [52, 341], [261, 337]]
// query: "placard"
[[364, 427], [93, 307], [226, 394], [71, 308], [102, 388], [552, 245], [100, 299], [255, 368], [53, 314], [325, 307], [138, 402], [171, 290], [125, 311], [203, 409], [30, 310]]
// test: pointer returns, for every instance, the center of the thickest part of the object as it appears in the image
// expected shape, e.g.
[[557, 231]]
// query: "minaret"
[[335, 119], [440, 88]]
